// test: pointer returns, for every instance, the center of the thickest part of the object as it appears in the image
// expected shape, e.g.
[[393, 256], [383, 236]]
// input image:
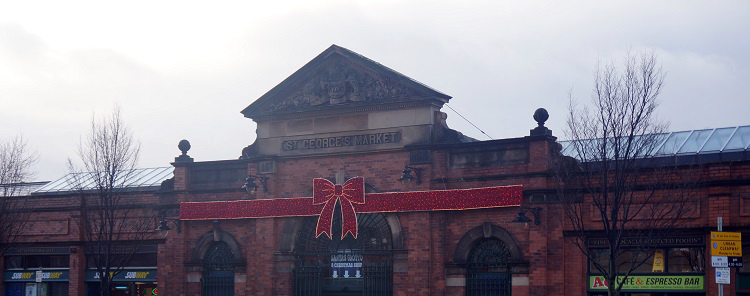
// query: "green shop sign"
[[650, 283], [30, 276], [128, 275]]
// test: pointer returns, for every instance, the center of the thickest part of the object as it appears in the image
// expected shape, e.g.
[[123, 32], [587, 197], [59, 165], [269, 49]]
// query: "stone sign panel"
[[341, 141]]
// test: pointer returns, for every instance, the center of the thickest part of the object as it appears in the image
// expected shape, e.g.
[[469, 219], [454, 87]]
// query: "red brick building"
[[250, 226], [52, 241]]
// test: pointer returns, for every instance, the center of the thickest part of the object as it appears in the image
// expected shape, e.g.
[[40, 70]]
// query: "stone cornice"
[[348, 109]]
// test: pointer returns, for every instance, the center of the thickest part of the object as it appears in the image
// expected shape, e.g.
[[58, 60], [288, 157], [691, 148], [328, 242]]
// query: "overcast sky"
[[185, 69]]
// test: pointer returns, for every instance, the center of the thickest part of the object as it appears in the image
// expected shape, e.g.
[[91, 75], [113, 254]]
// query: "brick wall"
[[430, 238], [426, 265], [53, 222]]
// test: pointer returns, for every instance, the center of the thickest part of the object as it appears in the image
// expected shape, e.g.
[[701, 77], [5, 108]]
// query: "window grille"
[[314, 273], [488, 272], [218, 271]]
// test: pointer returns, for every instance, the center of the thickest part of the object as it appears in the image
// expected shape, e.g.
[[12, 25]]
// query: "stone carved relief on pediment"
[[340, 83]]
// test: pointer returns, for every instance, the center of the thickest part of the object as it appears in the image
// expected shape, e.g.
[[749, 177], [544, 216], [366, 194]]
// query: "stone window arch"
[[219, 255], [489, 254], [207, 239], [487, 230]]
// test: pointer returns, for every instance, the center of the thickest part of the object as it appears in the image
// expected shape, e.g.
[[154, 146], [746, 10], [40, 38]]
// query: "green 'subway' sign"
[[647, 283]]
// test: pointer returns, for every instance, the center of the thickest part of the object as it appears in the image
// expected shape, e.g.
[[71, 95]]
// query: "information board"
[[719, 261], [346, 265], [726, 236], [734, 262], [722, 275], [726, 248]]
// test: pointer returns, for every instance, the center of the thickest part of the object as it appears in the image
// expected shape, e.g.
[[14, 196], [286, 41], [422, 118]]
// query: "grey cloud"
[[499, 60]]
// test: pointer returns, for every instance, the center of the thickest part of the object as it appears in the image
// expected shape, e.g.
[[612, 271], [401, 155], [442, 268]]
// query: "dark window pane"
[[47, 261], [745, 258], [59, 261], [136, 260], [58, 289], [142, 260], [600, 256], [632, 260], [686, 260], [13, 262]]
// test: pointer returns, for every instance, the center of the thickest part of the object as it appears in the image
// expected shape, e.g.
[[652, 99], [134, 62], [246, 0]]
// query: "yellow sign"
[[726, 248], [726, 236], [658, 261]]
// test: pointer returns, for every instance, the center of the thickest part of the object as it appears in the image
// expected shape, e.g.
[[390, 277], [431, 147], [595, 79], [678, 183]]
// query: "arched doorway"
[[349, 266], [487, 269], [218, 270]]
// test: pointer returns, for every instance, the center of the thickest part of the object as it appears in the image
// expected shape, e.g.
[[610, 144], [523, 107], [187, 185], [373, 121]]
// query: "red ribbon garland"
[[326, 193], [433, 200]]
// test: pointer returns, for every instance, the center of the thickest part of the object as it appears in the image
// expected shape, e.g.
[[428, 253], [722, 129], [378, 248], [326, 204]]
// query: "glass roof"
[[19, 189], [138, 178], [740, 140], [692, 142], [718, 139], [673, 143], [695, 141]]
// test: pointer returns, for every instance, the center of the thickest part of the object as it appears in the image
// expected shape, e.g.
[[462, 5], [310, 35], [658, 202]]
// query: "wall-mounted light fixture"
[[250, 185], [217, 235], [406, 177], [164, 225], [521, 218]]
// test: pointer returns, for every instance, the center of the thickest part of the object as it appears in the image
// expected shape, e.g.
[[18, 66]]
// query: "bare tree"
[[613, 190], [113, 221], [16, 161]]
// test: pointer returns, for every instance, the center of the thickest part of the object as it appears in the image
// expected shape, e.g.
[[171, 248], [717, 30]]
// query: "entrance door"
[[488, 272], [218, 271], [145, 289], [321, 274], [348, 266], [14, 289]]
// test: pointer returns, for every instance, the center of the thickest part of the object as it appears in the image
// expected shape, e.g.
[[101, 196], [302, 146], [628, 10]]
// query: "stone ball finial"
[[541, 115], [184, 146]]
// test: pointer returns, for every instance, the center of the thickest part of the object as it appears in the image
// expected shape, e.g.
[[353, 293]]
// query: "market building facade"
[[355, 185]]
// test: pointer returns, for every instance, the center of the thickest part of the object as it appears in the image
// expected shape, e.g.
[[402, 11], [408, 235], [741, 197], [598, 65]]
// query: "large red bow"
[[325, 192]]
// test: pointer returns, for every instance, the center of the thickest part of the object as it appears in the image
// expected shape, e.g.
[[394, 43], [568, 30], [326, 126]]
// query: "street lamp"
[[250, 186], [164, 225], [521, 218], [406, 176]]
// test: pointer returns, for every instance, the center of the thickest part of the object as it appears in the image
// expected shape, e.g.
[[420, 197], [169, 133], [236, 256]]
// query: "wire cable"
[[459, 114]]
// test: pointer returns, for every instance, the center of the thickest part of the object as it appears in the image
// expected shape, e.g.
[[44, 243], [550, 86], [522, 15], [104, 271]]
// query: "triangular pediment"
[[341, 80]]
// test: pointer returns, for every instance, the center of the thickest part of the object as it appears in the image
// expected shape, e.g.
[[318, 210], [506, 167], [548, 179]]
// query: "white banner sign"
[[719, 261], [722, 275]]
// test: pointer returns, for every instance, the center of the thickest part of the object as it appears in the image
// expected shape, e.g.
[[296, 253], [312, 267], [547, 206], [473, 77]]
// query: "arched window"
[[348, 266], [218, 271], [488, 272]]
